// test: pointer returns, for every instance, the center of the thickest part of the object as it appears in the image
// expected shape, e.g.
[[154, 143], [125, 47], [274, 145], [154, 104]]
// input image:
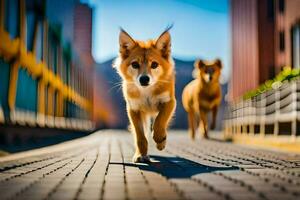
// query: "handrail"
[[14, 48], [279, 105]]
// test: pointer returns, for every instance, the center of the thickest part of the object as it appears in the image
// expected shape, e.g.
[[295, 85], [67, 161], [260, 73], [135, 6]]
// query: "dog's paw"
[[160, 146], [192, 134], [205, 136], [141, 159], [160, 138]]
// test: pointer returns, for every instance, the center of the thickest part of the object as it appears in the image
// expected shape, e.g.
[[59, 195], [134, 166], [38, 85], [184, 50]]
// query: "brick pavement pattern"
[[99, 167]]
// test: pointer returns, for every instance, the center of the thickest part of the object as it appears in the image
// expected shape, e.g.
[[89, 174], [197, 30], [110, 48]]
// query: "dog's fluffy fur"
[[203, 95], [151, 98]]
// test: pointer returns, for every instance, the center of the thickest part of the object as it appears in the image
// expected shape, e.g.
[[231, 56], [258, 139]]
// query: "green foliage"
[[287, 74]]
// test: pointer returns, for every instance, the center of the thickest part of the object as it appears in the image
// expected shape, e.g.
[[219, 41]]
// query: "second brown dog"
[[203, 95]]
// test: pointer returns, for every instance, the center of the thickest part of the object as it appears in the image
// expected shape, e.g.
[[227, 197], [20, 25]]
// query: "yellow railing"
[[15, 50]]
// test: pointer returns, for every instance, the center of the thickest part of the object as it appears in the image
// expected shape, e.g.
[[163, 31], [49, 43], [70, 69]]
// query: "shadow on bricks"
[[176, 167]]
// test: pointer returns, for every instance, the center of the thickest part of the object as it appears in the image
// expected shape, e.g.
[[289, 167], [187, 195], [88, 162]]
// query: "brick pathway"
[[99, 167]]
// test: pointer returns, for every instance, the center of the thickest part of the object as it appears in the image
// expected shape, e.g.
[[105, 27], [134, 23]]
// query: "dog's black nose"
[[144, 80]]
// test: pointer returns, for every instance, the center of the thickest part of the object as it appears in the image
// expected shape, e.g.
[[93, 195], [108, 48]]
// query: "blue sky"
[[201, 27]]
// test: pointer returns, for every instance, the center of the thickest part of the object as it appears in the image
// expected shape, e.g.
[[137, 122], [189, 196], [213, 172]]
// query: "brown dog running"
[[148, 82], [203, 95]]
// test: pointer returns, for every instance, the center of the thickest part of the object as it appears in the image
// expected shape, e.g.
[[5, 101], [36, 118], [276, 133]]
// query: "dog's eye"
[[154, 65], [135, 65]]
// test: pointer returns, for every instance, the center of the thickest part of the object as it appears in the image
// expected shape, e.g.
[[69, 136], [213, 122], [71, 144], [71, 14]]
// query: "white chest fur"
[[147, 101]]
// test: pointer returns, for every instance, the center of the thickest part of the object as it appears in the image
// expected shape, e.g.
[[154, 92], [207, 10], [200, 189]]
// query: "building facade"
[[46, 67], [265, 37], [103, 109]]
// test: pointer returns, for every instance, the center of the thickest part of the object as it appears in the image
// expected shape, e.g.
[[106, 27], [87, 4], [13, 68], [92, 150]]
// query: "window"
[[271, 72], [281, 6], [281, 41], [270, 10], [296, 46]]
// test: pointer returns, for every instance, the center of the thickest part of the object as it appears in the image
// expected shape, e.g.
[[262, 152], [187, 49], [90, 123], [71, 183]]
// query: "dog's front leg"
[[214, 117], [192, 124], [141, 142], [203, 118], [161, 123]]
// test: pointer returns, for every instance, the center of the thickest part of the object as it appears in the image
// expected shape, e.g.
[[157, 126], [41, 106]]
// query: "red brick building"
[[102, 106], [265, 37], [83, 31]]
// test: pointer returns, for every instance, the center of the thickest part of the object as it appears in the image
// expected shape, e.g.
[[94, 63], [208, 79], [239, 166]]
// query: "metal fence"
[[42, 82], [275, 112]]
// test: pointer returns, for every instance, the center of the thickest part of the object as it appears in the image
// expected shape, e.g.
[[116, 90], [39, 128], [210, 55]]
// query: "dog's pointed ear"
[[218, 62], [199, 64], [126, 43], [163, 43]]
